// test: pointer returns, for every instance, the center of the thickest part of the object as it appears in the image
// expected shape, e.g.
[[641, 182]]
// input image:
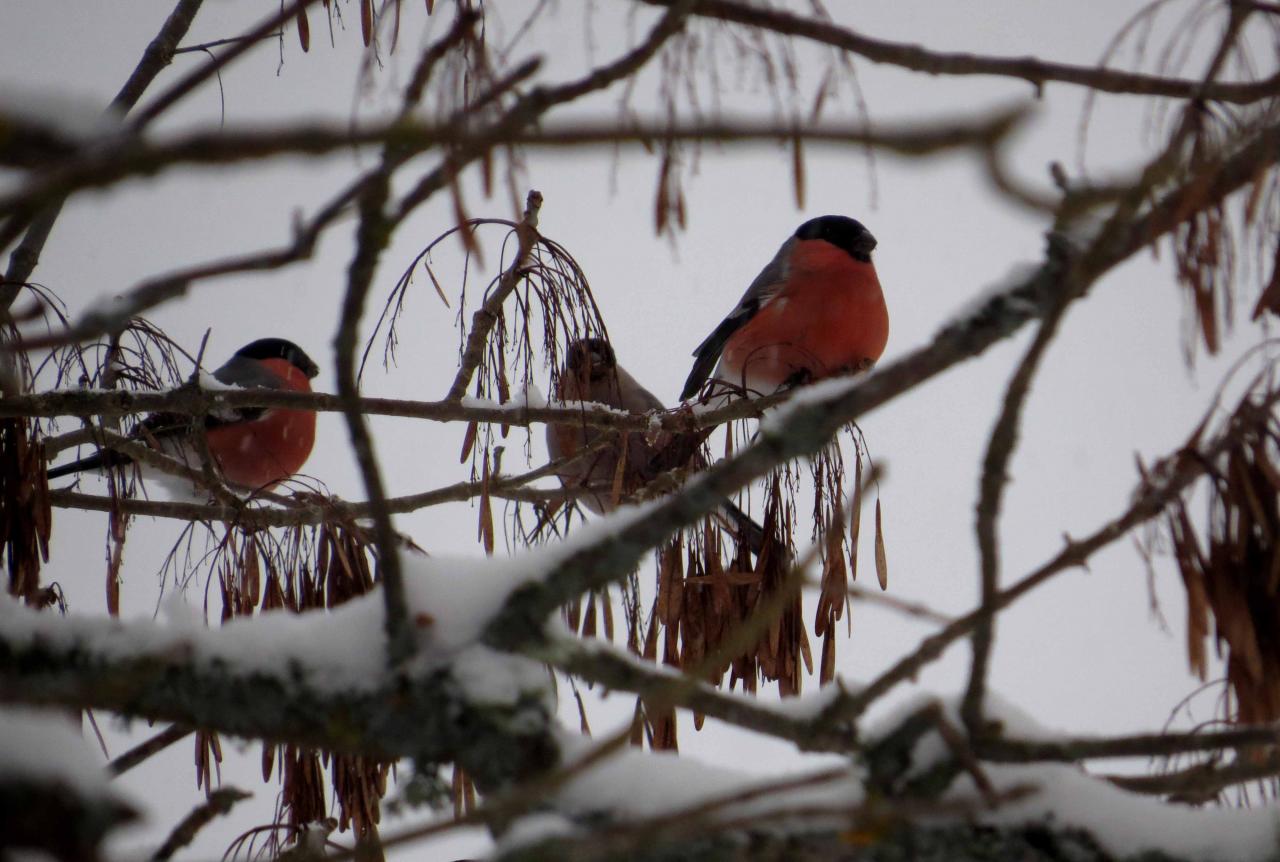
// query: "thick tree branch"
[[808, 425], [101, 167], [141, 669]]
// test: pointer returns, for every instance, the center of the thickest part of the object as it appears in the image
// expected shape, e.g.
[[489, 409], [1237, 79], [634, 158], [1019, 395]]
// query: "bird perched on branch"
[[252, 447], [617, 469], [816, 310]]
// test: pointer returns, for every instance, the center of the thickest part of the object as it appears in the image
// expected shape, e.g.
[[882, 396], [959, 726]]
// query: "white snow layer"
[[44, 746], [632, 785], [451, 600], [1017, 275]]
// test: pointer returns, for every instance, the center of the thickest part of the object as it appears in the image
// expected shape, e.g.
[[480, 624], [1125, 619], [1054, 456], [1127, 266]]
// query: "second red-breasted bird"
[[617, 469], [816, 310], [252, 447]]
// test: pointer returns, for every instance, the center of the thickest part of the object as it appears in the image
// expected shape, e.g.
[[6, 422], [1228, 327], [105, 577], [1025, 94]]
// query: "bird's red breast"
[[828, 318], [267, 450]]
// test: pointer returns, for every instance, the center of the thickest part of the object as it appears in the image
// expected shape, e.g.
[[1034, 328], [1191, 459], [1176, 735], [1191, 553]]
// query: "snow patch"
[[44, 746], [1018, 275]]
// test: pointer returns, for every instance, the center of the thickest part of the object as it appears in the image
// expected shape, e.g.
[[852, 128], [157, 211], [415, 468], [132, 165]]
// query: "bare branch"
[[806, 427], [101, 664], [486, 317], [192, 401], [1148, 503], [1035, 71], [158, 54], [144, 750], [1004, 439], [1071, 750], [218, 804], [605, 665], [101, 167], [1201, 783]]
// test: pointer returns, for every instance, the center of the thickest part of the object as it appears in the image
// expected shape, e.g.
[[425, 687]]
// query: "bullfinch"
[[591, 373], [252, 447], [816, 310]]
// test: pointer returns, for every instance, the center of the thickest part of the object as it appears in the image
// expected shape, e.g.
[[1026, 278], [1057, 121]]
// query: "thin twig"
[[1148, 503], [156, 56], [1000, 447], [1034, 71], [485, 317], [218, 803], [218, 43], [144, 750]]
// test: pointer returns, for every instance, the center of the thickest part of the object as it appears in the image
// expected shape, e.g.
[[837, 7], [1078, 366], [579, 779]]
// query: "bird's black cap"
[[842, 232], [595, 354], [280, 348]]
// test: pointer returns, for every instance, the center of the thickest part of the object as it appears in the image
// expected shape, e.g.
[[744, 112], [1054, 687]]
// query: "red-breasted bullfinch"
[[816, 310], [252, 447], [591, 373]]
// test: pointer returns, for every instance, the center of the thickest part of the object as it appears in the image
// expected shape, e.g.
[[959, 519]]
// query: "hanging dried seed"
[[882, 562], [304, 30]]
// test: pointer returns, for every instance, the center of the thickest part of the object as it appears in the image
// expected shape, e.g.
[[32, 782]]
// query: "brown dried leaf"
[[268, 760], [828, 670], [589, 618], [486, 522], [1270, 298], [661, 204], [797, 170], [882, 562], [616, 490], [366, 21], [304, 29], [436, 284], [855, 519], [469, 441]]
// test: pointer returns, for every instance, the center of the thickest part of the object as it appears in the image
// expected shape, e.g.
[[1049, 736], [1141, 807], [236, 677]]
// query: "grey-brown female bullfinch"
[[814, 311], [591, 373], [252, 447]]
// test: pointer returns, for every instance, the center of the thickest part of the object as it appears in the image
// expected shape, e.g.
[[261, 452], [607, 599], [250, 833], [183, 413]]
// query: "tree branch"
[[207, 679], [1151, 499], [1030, 69], [158, 54], [806, 426], [101, 167]]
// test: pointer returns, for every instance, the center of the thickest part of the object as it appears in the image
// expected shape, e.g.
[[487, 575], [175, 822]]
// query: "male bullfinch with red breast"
[[816, 310], [252, 447], [592, 374]]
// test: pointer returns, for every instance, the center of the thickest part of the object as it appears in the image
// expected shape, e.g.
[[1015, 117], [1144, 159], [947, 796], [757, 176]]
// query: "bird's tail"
[[749, 532], [97, 461]]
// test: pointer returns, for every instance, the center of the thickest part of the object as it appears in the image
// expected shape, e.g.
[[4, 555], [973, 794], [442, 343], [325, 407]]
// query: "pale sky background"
[[1084, 653]]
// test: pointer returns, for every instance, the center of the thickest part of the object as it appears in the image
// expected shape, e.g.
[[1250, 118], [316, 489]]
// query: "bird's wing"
[[764, 288], [247, 374]]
